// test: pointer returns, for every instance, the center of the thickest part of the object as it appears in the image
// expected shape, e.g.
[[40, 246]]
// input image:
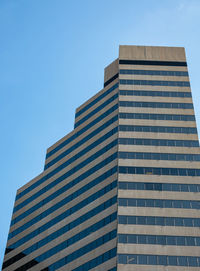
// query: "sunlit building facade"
[[121, 191]]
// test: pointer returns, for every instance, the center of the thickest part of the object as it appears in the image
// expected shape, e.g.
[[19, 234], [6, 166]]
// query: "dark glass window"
[[154, 93], [152, 260], [162, 260], [142, 259], [132, 239], [172, 260]]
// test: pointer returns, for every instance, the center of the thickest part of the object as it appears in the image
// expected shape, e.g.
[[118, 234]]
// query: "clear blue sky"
[[52, 58]]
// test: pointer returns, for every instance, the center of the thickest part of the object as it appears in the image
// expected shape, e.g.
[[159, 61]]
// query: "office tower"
[[121, 191]]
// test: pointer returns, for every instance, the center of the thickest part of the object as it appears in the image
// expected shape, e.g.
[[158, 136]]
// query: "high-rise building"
[[121, 191]]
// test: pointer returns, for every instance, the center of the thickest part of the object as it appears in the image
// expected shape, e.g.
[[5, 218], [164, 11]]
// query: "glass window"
[[161, 240], [151, 220], [131, 219], [180, 240], [140, 186], [150, 203], [159, 203], [172, 260], [142, 259], [158, 186], [122, 219], [171, 240], [152, 260], [167, 187], [122, 238], [195, 204], [148, 186], [142, 239], [132, 259], [162, 260], [140, 202], [192, 261], [141, 220], [190, 241], [122, 259], [132, 202], [184, 188], [186, 204], [182, 261], [169, 221], [198, 241], [177, 204], [179, 221], [193, 188], [132, 239], [160, 220], [168, 204], [151, 239], [122, 202], [131, 185], [196, 222], [122, 185]]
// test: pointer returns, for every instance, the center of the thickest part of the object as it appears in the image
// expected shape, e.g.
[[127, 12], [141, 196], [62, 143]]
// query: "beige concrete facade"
[[78, 215]]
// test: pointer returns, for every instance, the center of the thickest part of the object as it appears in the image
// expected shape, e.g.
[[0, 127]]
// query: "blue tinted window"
[[43, 179], [62, 216], [97, 109], [155, 105], [158, 171], [160, 187], [67, 199], [154, 72], [159, 203], [155, 83], [155, 93], [78, 113], [157, 129], [163, 221], [160, 260]]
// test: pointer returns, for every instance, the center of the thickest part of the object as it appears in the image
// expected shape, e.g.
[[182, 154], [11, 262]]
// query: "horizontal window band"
[[154, 72], [157, 116], [83, 250], [159, 142], [100, 208], [159, 203], [43, 179], [153, 93], [98, 261], [153, 62], [160, 171], [84, 129], [100, 107], [84, 151], [46, 213], [70, 241], [159, 156], [82, 234], [74, 255], [62, 190], [157, 129], [104, 94], [164, 260], [165, 240], [156, 105], [61, 145], [111, 79], [159, 221], [155, 83], [159, 186], [72, 171]]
